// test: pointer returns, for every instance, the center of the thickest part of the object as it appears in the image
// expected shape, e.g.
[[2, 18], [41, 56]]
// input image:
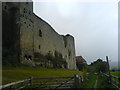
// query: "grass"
[[90, 82], [116, 73], [11, 74], [102, 82]]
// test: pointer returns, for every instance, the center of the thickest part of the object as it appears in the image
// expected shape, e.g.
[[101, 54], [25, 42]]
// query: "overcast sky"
[[94, 25]]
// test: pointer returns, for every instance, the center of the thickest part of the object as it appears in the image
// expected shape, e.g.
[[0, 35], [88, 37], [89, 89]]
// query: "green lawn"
[[116, 73], [11, 74]]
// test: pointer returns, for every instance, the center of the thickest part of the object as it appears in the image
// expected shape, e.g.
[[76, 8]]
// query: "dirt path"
[[95, 85]]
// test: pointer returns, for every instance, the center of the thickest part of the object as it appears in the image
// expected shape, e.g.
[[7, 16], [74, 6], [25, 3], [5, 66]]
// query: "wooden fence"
[[113, 80], [46, 83]]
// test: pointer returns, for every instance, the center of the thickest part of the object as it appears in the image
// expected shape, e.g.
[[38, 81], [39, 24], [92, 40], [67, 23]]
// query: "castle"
[[26, 38]]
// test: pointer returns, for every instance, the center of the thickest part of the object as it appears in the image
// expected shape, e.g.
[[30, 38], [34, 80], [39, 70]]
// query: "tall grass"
[[12, 74]]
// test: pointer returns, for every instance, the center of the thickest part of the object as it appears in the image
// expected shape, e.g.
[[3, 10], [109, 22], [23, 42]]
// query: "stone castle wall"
[[37, 36]]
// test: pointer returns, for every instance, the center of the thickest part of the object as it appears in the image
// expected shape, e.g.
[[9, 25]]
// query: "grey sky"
[[94, 26]]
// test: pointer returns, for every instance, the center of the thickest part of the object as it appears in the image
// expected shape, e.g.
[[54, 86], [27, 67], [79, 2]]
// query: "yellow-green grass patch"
[[12, 74]]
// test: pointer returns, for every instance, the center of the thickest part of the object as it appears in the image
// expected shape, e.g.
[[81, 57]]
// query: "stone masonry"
[[24, 34]]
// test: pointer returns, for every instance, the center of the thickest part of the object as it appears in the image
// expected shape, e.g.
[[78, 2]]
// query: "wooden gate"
[[46, 83]]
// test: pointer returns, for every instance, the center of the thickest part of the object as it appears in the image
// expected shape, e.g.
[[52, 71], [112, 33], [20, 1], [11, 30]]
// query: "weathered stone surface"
[[34, 35]]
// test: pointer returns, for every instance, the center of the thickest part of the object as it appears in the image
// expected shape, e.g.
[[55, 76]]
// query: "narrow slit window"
[[24, 10], [40, 33], [5, 7], [39, 46]]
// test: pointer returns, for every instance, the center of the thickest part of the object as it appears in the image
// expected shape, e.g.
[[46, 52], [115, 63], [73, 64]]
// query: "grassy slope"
[[19, 73]]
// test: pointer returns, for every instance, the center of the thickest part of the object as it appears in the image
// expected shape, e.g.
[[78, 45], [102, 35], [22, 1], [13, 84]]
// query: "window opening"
[[40, 33], [39, 46]]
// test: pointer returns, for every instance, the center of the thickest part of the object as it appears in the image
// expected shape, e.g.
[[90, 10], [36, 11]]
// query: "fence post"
[[110, 79], [11, 87], [22, 84], [76, 81], [30, 81], [109, 70], [81, 79]]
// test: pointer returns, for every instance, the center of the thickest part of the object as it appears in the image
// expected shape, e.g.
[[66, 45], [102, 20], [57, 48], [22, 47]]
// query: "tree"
[[98, 66]]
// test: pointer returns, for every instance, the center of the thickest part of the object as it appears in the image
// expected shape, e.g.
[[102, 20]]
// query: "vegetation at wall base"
[[49, 60], [56, 61]]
